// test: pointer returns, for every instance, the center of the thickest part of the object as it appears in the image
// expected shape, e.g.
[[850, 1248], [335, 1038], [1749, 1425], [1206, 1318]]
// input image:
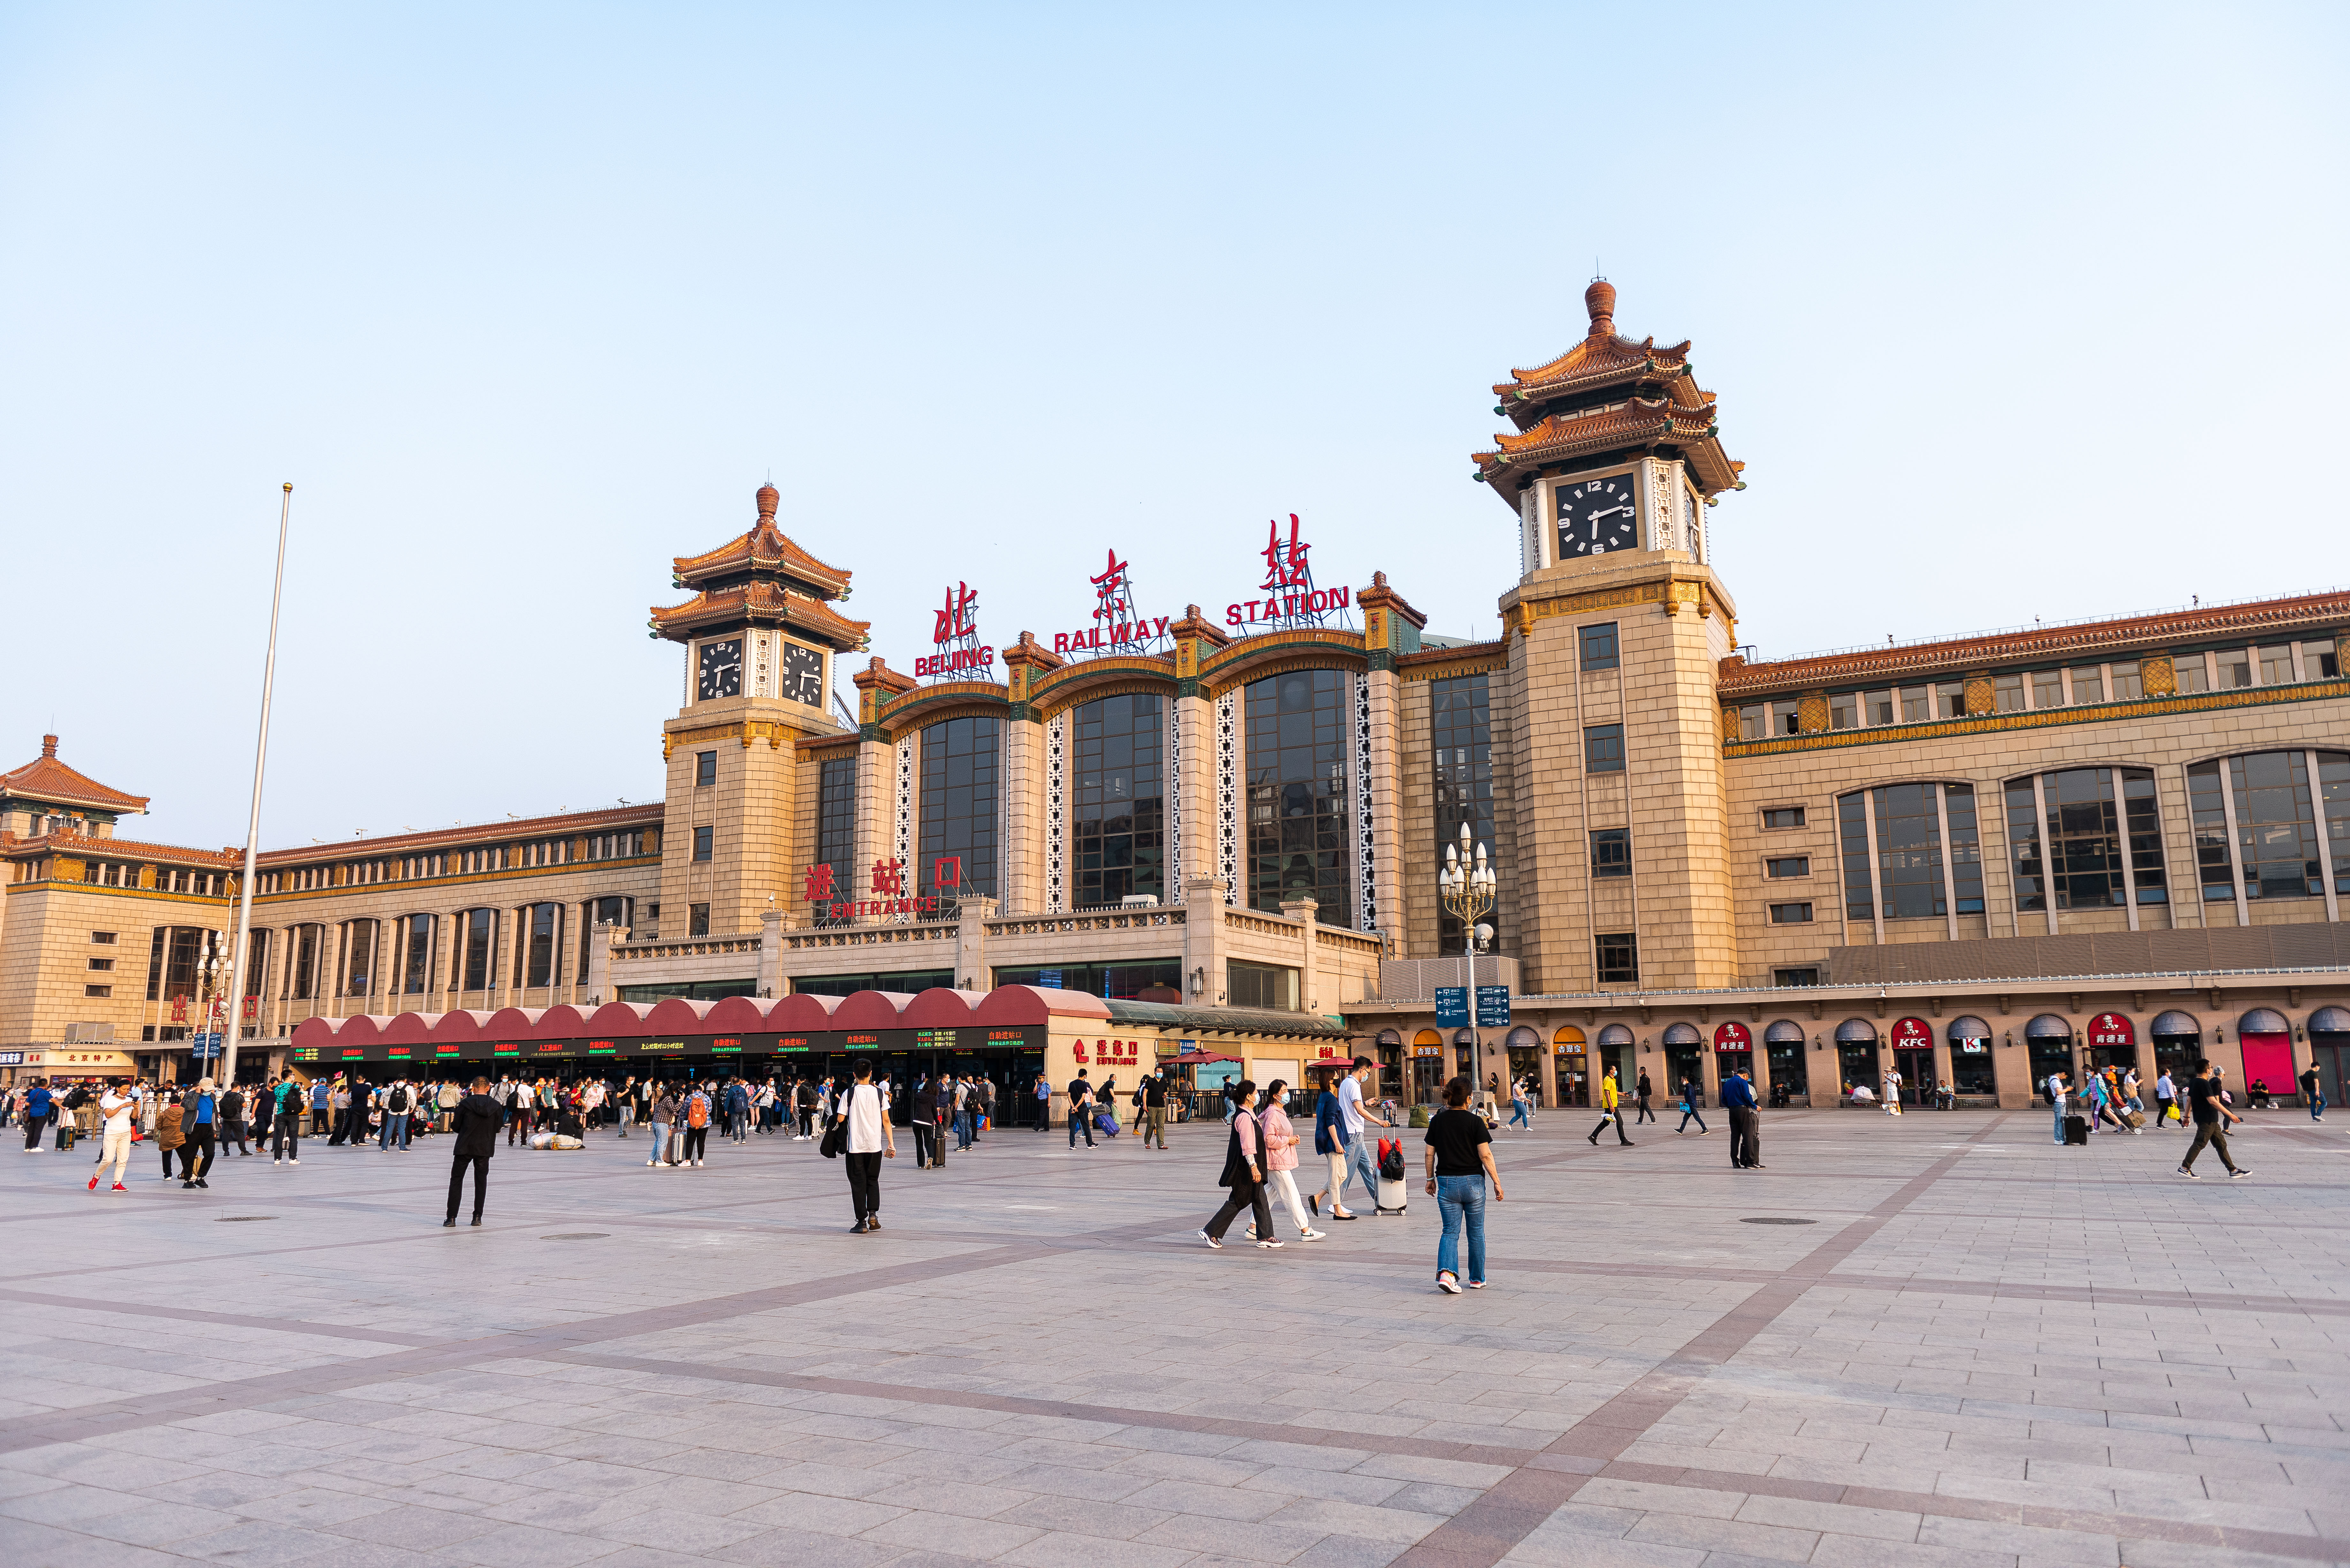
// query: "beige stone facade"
[[2018, 836]]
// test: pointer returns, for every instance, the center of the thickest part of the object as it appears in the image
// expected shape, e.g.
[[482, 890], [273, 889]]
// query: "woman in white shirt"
[[866, 1111]]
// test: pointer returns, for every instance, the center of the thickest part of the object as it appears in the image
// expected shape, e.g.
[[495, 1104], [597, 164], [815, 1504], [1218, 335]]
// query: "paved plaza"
[[1971, 1349]]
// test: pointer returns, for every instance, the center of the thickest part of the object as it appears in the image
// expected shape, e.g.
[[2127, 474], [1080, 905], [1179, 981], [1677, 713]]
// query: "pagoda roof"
[[1609, 393], [50, 782], [1636, 422], [17, 846], [765, 548], [760, 602]]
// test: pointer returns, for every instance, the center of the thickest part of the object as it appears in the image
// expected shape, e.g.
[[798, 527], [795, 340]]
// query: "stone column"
[[970, 945], [1203, 940], [771, 954], [600, 988], [1309, 979]]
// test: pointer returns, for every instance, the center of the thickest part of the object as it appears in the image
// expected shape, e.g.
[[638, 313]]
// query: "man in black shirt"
[[2313, 1093], [2212, 1117], [1081, 1109], [1646, 1089], [1154, 1110]]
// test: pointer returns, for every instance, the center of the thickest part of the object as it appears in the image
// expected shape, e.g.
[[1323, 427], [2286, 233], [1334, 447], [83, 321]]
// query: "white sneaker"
[[1312, 1235], [653, 1162], [1269, 1244], [293, 1162], [277, 1162]]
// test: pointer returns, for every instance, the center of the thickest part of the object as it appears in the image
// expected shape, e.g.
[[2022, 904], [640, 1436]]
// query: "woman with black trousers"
[[1244, 1176]]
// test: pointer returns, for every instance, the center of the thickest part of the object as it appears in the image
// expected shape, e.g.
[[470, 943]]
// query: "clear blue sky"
[[2013, 312]]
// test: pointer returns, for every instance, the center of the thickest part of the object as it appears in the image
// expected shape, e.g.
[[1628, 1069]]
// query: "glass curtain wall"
[[358, 958], [959, 779], [835, 832], [2280, 810], [474, 929], [1909, 877], [417, 970], [2072, 838], [1297, 769], [1461, 729], [1117, 799], [542, 925]]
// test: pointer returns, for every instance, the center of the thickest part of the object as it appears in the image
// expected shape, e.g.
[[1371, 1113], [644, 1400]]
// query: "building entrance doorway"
[[1572, 1072], [2049, 1040], [1971, 1072], [2329, 1050], [1427, 1067], [1526, 1053], [1857, 1058], [1916, 1065], [1615, 1049], [1790, 1079]]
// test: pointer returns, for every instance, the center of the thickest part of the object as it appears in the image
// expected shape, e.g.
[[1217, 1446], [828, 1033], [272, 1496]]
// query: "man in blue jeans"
[[1354, 1115], [2313, 1093]]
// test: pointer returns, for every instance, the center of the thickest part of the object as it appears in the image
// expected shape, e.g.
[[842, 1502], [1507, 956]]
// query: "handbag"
[[835, 1139]]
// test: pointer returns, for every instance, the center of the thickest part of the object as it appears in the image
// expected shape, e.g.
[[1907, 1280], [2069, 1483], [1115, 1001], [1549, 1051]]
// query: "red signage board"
[[2111, 1029], [1733, 1037], [1911, 1034]]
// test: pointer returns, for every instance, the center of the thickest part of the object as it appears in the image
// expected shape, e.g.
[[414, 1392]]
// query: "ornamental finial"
[[1599, 299], [767, 500]]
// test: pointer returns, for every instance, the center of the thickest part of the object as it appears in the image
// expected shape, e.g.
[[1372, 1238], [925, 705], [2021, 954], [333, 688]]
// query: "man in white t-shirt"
[[1354, 1116], [871, 1137], [117, 1107]]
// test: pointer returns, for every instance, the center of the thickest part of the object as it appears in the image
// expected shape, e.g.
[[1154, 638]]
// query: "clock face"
[[722, 669], [801, 675], [1597, 516]]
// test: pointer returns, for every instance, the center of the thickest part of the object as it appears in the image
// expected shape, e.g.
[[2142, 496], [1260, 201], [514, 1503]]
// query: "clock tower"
[[760, 635], [1614, 458]]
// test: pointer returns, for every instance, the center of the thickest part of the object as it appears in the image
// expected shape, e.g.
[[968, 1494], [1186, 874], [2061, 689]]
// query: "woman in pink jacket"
[[1281, 1159]]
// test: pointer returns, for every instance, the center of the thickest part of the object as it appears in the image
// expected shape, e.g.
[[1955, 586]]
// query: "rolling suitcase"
[[1391, 1195], [2076, 1131]]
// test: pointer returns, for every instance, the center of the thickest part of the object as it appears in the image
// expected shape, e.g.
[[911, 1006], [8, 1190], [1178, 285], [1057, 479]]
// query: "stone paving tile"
[[451, 1443]]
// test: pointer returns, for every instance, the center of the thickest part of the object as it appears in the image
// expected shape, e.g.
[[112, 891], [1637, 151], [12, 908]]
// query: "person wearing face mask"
[[1281, 1159]]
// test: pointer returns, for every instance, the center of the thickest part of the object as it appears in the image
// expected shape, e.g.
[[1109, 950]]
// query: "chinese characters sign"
[[1289, 579], [1117, 627], [891, 897], [961, 655]]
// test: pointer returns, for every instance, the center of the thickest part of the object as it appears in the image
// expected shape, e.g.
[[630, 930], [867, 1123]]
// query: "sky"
[[2009, 308]]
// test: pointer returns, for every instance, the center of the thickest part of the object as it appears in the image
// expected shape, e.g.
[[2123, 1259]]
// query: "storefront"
[[2048, 1045], [1855, 1041], [2266, 1040], [1912, 1040], [1733, 1051], [2113, 1043], [1426, 1078], [1973, 1075], [1783, 1044], [2177, 1044], [2329, 1047], [1525, 1051], [1571, 1061], [1616, 1054]]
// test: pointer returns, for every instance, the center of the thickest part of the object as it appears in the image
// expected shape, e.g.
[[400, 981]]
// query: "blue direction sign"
[[1492, 1006], [1453, 1006], [203, 1045]]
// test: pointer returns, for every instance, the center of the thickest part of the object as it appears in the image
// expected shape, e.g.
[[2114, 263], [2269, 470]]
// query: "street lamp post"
[[212, 976], [1466, 885]]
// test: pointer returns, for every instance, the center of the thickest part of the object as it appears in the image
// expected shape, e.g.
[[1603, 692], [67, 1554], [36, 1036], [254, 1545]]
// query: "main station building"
[[1974, 859]]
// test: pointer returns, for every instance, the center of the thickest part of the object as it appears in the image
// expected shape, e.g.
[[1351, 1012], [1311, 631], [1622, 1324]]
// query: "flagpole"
[[253, 821]]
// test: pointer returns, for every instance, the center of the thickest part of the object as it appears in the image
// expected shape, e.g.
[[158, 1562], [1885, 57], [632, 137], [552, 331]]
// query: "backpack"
[[398, 1103], [697, 1111]]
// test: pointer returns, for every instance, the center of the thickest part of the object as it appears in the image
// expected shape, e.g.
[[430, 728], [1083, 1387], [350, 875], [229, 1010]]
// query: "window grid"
[[959, 771], [1460, 724], [836, 830], [1118, 798], [1296, 763]]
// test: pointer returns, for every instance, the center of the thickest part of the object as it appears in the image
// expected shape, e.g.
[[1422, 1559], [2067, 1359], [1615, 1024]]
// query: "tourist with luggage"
[[2207, 1099], [2057, 1094], [1330, 1142], [1459, 1174], [1243, 1175]]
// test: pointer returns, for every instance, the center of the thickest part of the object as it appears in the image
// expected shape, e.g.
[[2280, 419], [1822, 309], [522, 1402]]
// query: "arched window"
[[416, 974], [2048, 1041], [2092, 836], [2258, 827], [1892, 840], [1118, 798], [1681, 1034], [958, 774], [1297, 808], [1568, 1038], [476, 948]]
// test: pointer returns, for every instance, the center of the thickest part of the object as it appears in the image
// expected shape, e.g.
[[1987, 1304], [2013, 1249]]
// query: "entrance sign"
[[955, 634], [1453, 1007], [1733, 1037], [1492, 1006], [1117, 627]]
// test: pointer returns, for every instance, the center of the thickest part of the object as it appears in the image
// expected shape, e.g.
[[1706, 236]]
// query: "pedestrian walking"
[[2165, 1100], [1693, 1108], [1519, 1109], [1356, 1119], [198, 1119], [39, 1101], [925, 1124], [1745, 1122], [115, 1147], [864, 1118], [232, 1107], [1330, 1142], [1641, 1090], [1244, 1174], [1081, 1108], [2206, 1098], [1153, 1091], [1611, 1112], [664, 1125], [693, 1111], [1460, 1173], [475, 1122], [1281, 1160], [168, 1136], [286, 1120], [986, 1123], [2313, 1093], [803, 1103]]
